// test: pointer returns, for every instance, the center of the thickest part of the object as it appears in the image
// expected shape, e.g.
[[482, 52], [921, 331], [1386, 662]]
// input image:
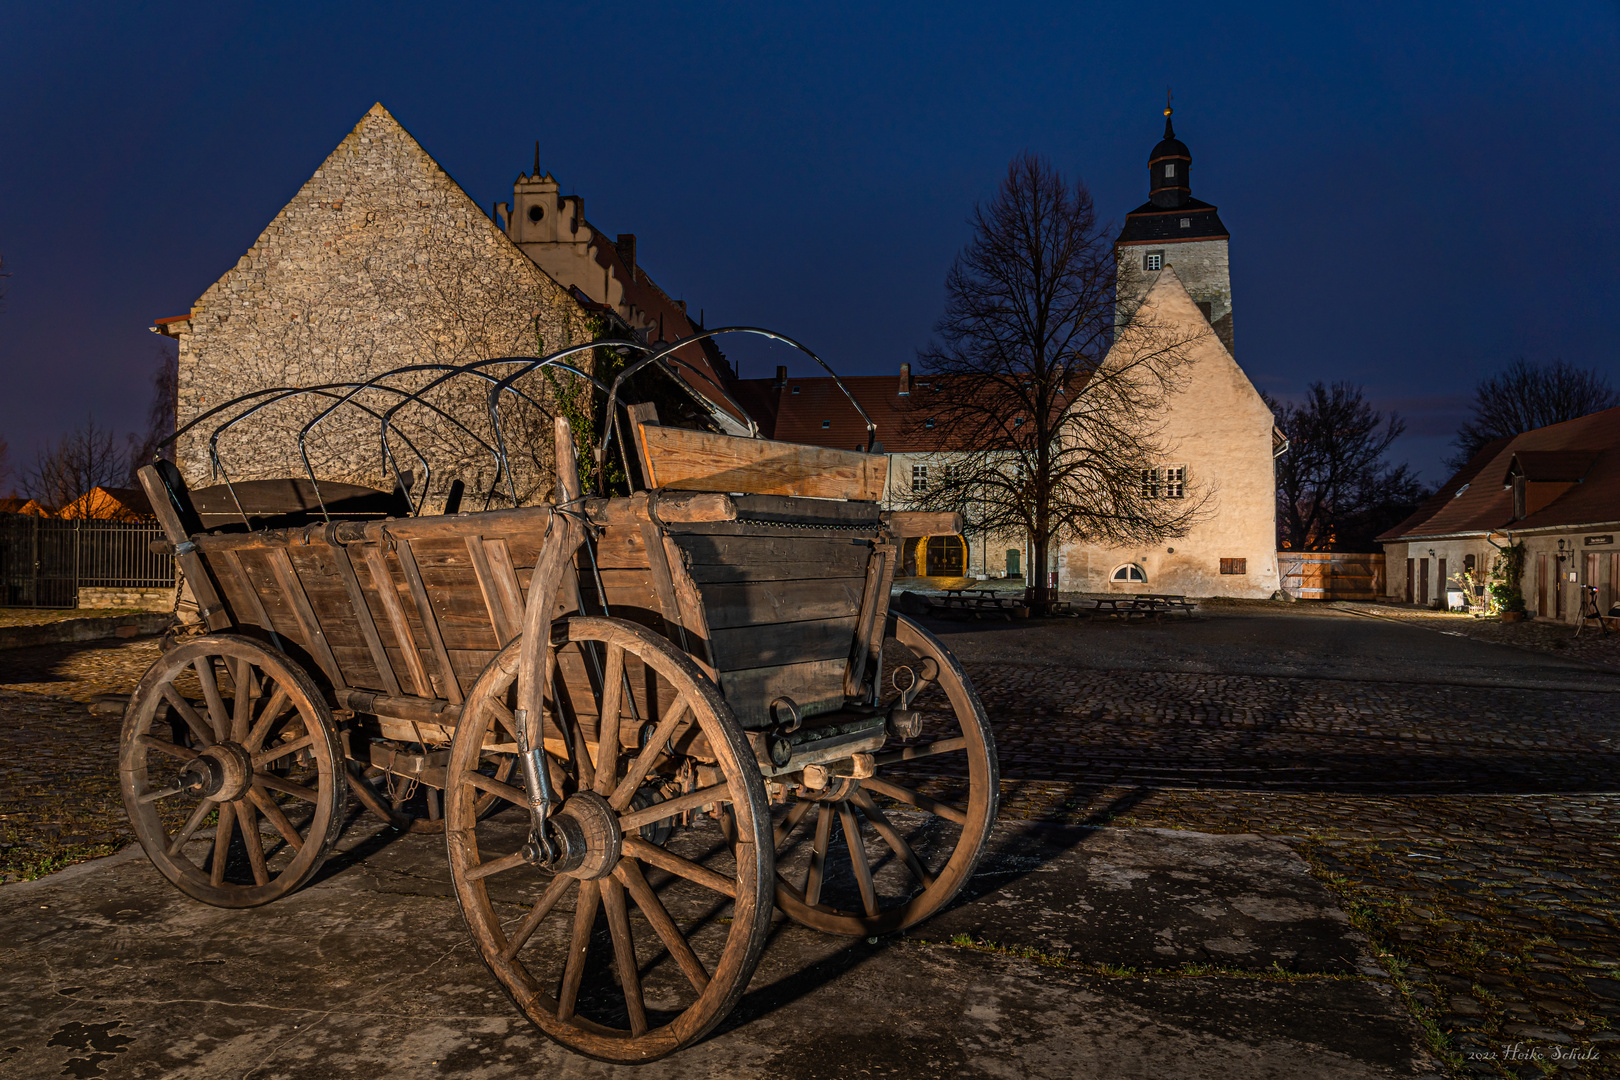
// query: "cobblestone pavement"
[[1591, 646], [1470, 831]]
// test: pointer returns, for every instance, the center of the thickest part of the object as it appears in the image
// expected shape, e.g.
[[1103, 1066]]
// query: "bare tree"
[[1527, 396], [160, 414], [5, 464], [87, 458], [1335, 492], [1048, 422]]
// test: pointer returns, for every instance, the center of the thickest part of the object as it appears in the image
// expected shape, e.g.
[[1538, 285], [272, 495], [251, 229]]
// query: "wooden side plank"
[[506, 580], [744, 603], [689, 600], [314, 637], [383, 583], [784, 643], [235, 579], [362, 616], [816, 686], [679, 459], [430, 625], [494, 602], [874, 611], [209, 606]]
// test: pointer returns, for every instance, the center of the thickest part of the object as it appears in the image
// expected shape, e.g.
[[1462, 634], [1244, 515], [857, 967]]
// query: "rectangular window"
[[1150, 483], [1175, 482], [1153, 261], [919, 478], [1234, 566], [1169, 169], [1186, 223]]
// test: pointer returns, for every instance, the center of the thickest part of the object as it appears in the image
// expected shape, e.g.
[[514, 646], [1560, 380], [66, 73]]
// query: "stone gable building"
[[382, 260], [1220, 435]]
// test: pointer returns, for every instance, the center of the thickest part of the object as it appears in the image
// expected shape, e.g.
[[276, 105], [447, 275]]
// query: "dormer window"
[[1458, 493], [929, 422], [825, 424], [1153, 261]]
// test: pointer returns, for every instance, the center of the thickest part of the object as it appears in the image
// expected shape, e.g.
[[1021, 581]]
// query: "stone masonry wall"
[[1204, 270], [126, 599], [379, 261]]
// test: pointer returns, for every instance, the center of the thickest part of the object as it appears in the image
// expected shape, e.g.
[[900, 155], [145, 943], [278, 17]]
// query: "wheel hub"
[[587, 837], [222, 772]]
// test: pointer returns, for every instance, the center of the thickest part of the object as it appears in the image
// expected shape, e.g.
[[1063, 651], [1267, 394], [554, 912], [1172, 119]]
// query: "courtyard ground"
[[1459, 799]]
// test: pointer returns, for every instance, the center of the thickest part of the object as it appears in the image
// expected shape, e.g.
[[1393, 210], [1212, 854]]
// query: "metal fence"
[[45, 561]]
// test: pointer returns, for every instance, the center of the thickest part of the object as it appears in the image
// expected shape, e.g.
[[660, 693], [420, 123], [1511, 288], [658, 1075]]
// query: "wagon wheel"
[[877, 855], [229, 737], [646, 939]]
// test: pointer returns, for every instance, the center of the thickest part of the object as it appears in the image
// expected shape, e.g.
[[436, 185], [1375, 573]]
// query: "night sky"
[[1415, 198]]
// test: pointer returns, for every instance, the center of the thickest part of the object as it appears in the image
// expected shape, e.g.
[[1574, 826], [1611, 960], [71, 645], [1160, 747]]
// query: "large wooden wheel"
[[643, 934], [876, 855], [232, 771]]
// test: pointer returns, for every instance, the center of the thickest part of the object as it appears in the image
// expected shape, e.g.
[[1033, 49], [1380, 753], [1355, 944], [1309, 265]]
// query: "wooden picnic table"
[[979, 601], [1143, 604]]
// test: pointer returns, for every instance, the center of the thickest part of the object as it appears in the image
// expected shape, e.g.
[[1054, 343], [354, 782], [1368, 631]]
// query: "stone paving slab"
[[108, 971]]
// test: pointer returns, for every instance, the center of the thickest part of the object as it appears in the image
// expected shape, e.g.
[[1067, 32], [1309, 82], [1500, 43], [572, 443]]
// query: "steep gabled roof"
[[1478, 500]]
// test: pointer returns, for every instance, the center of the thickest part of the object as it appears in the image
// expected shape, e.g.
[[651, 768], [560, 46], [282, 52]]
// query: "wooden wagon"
[[641, 722]]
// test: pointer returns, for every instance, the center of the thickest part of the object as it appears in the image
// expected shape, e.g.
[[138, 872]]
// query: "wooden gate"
[[1331, 575]]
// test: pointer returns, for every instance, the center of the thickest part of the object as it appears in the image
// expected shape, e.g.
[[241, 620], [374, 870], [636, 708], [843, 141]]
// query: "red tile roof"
[[1478, 500], [815, 412]]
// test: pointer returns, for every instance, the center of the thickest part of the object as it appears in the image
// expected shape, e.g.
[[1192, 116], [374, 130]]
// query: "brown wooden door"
[[1559, 574], [1411, 580], [1423, 581], [1445, 601], [1541, 585]]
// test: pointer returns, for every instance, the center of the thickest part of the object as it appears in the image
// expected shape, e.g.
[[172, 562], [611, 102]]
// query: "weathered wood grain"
[[679, 459]]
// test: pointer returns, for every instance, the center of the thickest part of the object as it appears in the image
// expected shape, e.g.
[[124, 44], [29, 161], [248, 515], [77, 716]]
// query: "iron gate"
[[45, 561]]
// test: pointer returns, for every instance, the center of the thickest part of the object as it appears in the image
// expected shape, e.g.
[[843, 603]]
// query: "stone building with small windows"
[[382, 260], [1220, 436]]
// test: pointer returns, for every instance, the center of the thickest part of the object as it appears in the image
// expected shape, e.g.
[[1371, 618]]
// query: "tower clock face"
[[536, 212]]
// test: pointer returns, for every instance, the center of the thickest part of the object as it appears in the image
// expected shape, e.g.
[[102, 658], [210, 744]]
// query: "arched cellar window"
[[1129, 572]]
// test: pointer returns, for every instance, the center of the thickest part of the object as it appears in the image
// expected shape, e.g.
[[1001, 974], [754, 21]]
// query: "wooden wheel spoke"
[[242, 708], [917, 799], [191, 826], [281, 750], [891, 836], [537, 915], [497, 788], [503, 716], [652, 854], [288, 787], [714, 793], [922, 750], [184, 753], [248, 823], [795, 815], [818, 855], [278, 820], [222, 844], [199, 730], [607, 743], [164, 793], [496, 866], [857, 858], [663, 925], [574, 969], [661, 735], [218, 718], [272, 712], [624, 954]]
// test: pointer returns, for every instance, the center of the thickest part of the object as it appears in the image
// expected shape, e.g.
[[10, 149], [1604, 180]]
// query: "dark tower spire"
[[536, 173], [1168, 168]]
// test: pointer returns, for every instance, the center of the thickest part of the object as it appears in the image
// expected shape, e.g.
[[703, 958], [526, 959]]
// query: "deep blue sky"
[[1415, 195]]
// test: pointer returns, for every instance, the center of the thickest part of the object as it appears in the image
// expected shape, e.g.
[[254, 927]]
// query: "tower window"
[[1186, 223], [1153, 261], [1169, 170], [536, 212]]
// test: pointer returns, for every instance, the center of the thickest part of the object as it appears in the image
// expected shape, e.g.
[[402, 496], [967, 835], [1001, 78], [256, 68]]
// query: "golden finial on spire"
[[1168, 97]]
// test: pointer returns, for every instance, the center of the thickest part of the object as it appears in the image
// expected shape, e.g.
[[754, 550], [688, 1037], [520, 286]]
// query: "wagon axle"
[[222, 772]]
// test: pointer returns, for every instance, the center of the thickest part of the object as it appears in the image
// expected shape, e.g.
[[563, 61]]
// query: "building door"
[[1541, 585], [1423, 581], [946, 557], [1445, 600], [1612, 597], [1013, 568], [1590, 578], [1411, 580], [1559, 591]]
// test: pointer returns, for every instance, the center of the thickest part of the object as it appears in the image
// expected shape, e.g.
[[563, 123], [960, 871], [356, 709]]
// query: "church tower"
[[1174, 229]]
